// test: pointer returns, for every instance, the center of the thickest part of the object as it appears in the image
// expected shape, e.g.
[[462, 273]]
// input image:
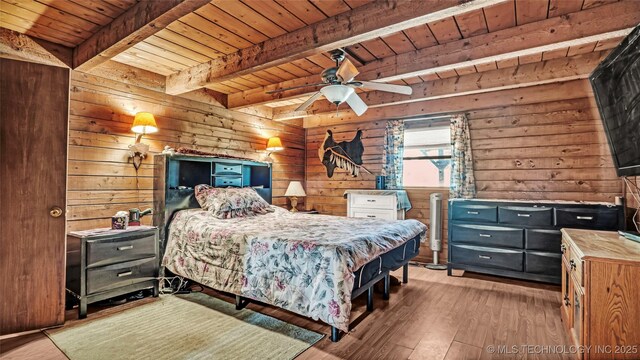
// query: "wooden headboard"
[[175, 177]]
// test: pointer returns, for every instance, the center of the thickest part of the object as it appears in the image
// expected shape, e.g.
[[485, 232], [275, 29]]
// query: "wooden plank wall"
[[101, 181], [544, 151]]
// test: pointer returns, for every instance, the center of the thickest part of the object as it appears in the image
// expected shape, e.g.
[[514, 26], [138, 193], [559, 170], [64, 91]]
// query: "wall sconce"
[[274, 144], [143, 123]]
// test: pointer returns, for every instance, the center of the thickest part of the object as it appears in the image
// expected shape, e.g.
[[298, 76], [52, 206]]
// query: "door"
[[34, 106]]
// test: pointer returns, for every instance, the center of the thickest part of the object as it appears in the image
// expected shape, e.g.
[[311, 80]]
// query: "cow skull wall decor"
[[346, 155]]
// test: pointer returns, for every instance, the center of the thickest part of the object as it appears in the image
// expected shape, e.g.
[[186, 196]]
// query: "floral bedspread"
[[300, 262]]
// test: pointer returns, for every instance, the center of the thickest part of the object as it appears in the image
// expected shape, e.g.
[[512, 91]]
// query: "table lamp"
[[294, 191]]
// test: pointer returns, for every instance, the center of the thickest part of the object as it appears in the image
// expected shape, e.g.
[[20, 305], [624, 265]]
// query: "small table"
[[105, 263]]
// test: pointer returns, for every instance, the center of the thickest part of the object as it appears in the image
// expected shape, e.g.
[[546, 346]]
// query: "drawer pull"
[[566, 301], [563, 248], [572, 263], [370, 200], [485, 235], [371, 216], [126, 273], [584, 217], [472, 212], [484, 257], [127, 247], [524, 215]]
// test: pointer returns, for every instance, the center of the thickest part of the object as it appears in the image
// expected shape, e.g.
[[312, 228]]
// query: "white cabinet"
[[370, 205]]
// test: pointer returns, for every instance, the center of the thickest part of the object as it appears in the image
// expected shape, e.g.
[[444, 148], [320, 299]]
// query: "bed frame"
[[177, 175]]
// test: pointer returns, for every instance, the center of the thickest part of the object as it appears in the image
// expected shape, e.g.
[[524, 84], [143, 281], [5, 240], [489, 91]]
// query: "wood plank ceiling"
[[224, 27]]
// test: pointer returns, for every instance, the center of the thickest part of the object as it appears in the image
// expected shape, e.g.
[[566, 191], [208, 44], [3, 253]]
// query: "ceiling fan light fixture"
[[337, 94]]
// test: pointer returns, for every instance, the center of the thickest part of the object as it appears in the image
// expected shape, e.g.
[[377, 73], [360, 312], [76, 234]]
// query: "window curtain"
[[462, 180], [393, 153]]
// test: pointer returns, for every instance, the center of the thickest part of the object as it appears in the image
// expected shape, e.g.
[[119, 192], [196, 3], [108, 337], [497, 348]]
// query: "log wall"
[[101, 180]]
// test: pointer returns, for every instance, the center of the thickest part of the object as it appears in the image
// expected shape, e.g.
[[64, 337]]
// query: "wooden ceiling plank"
[[429, 77], [40, 32], [272, 79], [142, 55], [101, 7], [331, 7], [399, 43], [160, 42], [356, 3], [222, 88], [132, 60], [212, 29], [291, 68], [56, 14], [133, 26], [197, 35], [466, 70], [361, 52], [122, 4], [601, 23], [506, 63], [555, 54], [607, 44], [378, 48], [528, 11], [276, 13], [44, 20], [421, 36], [445, 30], [500, 16], [486, 66], [531, 58], [304, 10], [164, 53], [79, 11], [447, 74], [187, 43], [342, 30], [472, 23], [250, 17], [15, 45], [280, 73], [308, 65], [256, 79], [231, 24], [590, 4], [321, 60], [413, 80], [237, 84], [562, 7]]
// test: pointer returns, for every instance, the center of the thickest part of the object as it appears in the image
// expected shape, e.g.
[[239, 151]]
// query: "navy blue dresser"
[[520, 239]]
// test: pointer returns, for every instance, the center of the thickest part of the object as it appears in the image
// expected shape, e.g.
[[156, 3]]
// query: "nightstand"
[[104, 263]]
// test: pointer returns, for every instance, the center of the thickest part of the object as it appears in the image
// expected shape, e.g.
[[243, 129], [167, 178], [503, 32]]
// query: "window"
[[427, 153]]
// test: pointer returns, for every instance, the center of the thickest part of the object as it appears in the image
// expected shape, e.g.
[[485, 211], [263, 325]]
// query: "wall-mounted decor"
[[143, 123], [346, 155]]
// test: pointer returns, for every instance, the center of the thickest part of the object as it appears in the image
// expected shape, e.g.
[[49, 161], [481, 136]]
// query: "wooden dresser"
[[601, 293]]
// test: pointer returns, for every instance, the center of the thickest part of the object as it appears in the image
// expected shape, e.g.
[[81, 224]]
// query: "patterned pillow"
[[225, 203]]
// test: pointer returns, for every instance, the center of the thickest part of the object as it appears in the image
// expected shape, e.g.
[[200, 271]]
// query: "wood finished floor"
[[432, 317]]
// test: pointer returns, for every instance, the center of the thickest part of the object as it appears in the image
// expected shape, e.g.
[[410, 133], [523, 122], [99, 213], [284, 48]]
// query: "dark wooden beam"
[[369, 21], [142, 20]]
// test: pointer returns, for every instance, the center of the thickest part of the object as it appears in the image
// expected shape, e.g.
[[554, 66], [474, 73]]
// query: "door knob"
[[55, 212]]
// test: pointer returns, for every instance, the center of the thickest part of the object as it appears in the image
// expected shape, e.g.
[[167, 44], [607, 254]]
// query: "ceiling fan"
[[339, 85]]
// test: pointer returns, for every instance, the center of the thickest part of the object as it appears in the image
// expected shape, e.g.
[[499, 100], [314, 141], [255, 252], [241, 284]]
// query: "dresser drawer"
[[373, 201], [121, 274], [543, 263], [603, 219], [227, 169], [525, 215], [487, 257], [374, 214], [227, 181], [110, 251], [543, 240], [487, 235], [484, 213]]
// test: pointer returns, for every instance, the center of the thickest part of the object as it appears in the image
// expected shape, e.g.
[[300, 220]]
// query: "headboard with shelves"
[[175, 177]]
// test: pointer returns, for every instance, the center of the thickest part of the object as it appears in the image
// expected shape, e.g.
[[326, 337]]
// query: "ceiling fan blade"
[[309, 101], [357, 105], [294, 87], [347, 71], [399, 89]]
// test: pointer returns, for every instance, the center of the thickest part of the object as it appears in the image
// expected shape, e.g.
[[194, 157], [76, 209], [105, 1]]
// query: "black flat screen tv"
[[616, 85]]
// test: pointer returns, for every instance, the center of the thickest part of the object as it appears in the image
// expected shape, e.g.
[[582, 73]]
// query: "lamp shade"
[[295, 189], [337, 94], [274, 144], [144, 123]]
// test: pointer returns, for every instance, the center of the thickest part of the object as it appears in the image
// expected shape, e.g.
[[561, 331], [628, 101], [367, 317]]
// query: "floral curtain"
[[392, 155], [462, 180]]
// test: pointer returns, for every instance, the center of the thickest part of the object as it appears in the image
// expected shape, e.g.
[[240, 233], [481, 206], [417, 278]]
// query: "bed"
[[312, 265]]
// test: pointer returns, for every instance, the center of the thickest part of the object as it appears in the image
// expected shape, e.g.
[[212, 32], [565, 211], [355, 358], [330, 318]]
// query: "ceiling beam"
[[544, 72], [574, 89], [579, 28], [142, 20], [14, 45], [369, 21]]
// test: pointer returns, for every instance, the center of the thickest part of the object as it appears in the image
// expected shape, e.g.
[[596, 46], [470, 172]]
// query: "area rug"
[[194, 326]]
